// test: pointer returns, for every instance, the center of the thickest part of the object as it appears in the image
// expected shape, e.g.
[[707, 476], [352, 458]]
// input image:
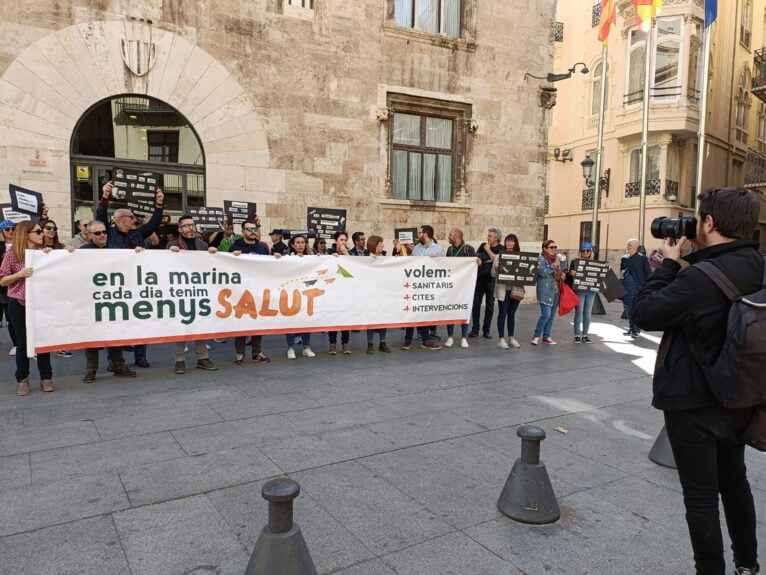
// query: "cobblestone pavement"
[[401, 458]]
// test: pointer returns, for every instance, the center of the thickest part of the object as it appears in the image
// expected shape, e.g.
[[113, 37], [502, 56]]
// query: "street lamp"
[[587, 170]]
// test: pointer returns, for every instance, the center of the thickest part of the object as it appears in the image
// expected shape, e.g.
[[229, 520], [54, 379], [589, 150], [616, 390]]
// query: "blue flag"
[[711, 11]]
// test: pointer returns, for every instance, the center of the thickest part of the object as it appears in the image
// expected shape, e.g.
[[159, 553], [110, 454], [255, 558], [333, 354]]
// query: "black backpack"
[[737, 377]]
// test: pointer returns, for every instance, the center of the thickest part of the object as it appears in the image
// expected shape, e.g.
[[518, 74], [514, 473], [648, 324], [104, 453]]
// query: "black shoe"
[[634, 333], [487, 335], [586, 339], [578, 339], [473, 333]]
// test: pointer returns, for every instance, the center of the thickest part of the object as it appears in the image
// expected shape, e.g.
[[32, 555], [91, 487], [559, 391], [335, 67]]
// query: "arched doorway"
[[139, 133]]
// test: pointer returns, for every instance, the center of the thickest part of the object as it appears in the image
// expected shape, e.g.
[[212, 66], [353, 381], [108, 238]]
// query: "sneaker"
[[502, 344], [383, 347], [260, 357], [535, 340], [746, 571], [430, 345], [463, 342], [290, 353], [220, 340], [346, 349], [578, 339], [473, 333], [90, 376], [450, 342], [370, 348], [298, 340], [307, 352], [206, 364], [586, 339], [548, 341], [12, 351], [179, 367], [406, 345], [186, 349], [239, 359], [634, 333], [208, 347], [487, 335], [142, 362], [513, 342], [64, 353], [435, 335], [123, 371], [333, 349]]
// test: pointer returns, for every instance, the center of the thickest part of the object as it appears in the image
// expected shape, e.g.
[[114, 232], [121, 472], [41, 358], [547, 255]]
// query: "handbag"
[[754, 433], [518, 293], [568, 299]]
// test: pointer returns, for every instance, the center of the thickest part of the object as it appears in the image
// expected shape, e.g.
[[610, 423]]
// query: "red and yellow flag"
[[608, 19], [646, 10]]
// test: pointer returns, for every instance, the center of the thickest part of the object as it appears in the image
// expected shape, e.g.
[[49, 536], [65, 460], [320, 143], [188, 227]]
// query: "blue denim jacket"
[[547, 287]]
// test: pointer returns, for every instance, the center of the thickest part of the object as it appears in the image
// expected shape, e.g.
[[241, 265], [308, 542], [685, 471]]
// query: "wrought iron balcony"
[[759, 74], [558, 31], [587, 199], [671, 190], [633, 189]]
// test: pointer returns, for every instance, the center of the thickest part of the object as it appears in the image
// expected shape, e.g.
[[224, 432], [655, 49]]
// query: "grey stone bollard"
[[281, 549], [528, 495], [661, 452]]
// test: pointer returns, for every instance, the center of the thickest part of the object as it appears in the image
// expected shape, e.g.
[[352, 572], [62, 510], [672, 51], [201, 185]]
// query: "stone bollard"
[[528, 495], [661, 452], [281, 549]]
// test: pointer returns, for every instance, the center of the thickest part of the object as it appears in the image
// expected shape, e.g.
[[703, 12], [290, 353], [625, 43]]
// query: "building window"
[[433, 16], [743, 106], [668, 53], [762, 128], [694, 80], [301, 3], [745, 25], [426, 142], [586, 232], [633, 187], [595, 95], [595, 17], [162, 146]]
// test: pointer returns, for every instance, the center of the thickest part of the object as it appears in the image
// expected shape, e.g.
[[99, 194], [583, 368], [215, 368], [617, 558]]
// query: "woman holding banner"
[[339, 249], [13, 275], [587, 297], [298, 246], [549, 277], [508, 298], [51, 235], [375, 247]]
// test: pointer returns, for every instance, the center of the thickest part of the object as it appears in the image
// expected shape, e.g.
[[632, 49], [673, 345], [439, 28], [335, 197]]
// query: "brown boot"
[[23, 388], [90, 376], [370, 348], [47, 385], [123, 371], [384, 347]]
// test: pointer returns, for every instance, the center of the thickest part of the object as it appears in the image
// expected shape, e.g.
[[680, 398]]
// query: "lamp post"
[[587, 171]]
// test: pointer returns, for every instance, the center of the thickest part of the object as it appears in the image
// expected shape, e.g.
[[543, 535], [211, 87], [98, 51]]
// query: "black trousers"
[[710, 461], [485, 289]]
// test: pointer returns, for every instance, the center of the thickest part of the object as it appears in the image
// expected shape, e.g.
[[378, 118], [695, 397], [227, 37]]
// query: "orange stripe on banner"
[[170, 339]]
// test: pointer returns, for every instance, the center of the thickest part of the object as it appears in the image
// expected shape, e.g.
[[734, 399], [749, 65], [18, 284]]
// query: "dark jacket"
[[637, 266], [692, 311], [91, 246], [134, 238], [184, 244], [485, 269], [257, 248], [464, 251]]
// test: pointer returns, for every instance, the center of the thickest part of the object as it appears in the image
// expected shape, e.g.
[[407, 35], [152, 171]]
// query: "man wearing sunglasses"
[[98, 239], [124, 234], [81, 237]]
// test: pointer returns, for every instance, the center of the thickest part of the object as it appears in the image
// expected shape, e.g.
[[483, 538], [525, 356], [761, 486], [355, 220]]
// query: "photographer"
[[692, 311]]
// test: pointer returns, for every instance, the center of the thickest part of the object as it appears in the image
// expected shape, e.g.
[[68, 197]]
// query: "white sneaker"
[[186, 349], [450, 342], [463, 342], [535, 340], [207, 346], [12, 351], [513, 342], [502, 344], [290, 353], [308, 353]]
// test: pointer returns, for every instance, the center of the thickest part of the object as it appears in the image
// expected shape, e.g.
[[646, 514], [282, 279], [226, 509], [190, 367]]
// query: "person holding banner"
[[278, 246], [458, 249], [508, 298], [339, 249], [587, 297], [375, 249], [485, 284], [320, 247], [13, 275], [549, 278], [299, 247], [7, 228], [51, 235]]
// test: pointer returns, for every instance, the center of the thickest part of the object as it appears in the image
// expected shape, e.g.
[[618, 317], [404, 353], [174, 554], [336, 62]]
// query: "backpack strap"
[[719, 279]]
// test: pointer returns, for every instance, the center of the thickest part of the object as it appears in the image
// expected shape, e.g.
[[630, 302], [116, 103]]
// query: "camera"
[[674, 228]]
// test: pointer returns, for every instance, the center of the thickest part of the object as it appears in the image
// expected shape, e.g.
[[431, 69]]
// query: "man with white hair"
[[634, 268]]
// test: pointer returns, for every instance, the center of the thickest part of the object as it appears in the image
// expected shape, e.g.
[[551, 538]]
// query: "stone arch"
[[54, 81]]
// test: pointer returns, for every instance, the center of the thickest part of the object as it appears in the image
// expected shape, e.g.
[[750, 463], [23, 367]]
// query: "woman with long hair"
[[549, 277], [508, 298], [13, 275], [339, 249], [298, 246], [375, 247], [51, 235]]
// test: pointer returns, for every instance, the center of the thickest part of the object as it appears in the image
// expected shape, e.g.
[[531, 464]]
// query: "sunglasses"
[[51, 228], [38, 231], [584, 251], [552, 248], [252, 229], [99, 233], [10, 229]]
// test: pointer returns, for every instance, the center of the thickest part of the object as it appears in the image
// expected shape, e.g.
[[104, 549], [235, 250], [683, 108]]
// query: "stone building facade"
[[402, 112]]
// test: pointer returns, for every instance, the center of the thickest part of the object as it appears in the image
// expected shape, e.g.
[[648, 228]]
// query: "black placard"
[[134, 186], [8, 213], [518, 268], [590, 275], [26, 201], [238, 212], [406, 235], [325, 221], [287, 234], [142, 207], [207, 219]]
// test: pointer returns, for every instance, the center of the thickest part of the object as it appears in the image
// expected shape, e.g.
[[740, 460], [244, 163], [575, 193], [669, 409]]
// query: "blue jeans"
[[17, 315], [631, 287], [582, 311], [508, 308], [333, 335], [371, 333], [710, 461], [463, 330], [422, 330], [547, 314], [306, 337]]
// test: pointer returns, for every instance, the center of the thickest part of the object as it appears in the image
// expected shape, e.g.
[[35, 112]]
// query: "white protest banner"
[[94, 298]]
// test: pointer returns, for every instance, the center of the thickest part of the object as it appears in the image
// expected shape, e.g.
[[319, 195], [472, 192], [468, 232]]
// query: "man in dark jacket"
[[692, 311], [634, 269]]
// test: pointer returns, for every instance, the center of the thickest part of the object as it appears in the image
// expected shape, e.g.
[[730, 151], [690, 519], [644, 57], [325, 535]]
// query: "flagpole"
[[645, 134], [703, 118], [599, 156]]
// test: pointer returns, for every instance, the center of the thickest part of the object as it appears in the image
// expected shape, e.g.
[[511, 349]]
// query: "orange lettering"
[[294, 308], [246, 305], [265, 310], [222, 296], [310, 295]]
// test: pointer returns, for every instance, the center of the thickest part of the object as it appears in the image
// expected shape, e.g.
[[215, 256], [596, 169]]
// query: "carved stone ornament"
[[138, 51]]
